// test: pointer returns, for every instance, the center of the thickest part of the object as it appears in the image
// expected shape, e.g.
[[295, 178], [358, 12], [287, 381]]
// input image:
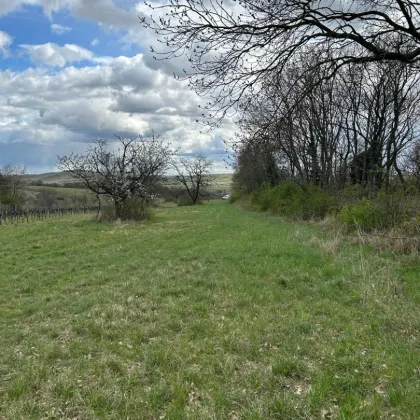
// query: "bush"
[[363, 213], [383, 211], [291, 200], [261, 199], [134, 209], [107, 213], [184, 201], [234, 196]]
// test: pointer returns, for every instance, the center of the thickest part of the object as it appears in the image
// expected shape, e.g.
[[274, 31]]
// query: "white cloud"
[[53, 55], [59, 29], [5, 41], [105, 12], [56, 108], [71, 106]]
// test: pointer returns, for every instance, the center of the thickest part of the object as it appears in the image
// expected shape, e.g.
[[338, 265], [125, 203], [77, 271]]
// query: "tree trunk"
[[119, 207]]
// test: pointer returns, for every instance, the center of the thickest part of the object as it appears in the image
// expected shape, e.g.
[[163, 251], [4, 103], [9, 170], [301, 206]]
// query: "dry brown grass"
[[402, 239], [398, 240], [329, 246]]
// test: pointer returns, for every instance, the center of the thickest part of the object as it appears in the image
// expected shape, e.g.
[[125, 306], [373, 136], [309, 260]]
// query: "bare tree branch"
[[130, 171], [194, 175], [230, 46]]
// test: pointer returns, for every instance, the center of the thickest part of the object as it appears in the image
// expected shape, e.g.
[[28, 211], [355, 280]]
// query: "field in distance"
[[61, 178], [222, 180], [205, 312]]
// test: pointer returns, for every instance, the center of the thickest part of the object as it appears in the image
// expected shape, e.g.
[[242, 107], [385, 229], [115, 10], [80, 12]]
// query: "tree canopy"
[[231, 45]]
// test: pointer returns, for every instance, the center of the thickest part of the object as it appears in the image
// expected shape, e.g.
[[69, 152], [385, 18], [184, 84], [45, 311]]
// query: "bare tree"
[[354, 126], [412, 162], [130, 171], [12, 184], [194, 175], [231, 45]]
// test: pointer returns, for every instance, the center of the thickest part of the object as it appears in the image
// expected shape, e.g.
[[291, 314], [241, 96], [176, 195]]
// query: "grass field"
[[59, 190], [221, 181], [204, 313], [51, 178]]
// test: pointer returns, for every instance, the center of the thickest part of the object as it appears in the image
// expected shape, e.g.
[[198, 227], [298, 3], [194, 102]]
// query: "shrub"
[[234, 196], [291, 200], [134, 209], [351, 193], [184, 201], [316, 203], [382, 211], [260, 199], [107, 213], [363, 213]]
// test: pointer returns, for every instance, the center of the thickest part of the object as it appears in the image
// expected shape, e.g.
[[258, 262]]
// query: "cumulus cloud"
[[122, 96], [56, 108], [5, 41], [105, 12], [53, 55], [109, 16], [59, 29]]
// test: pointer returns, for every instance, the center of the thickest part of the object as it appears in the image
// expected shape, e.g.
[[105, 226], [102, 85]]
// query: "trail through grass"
[[205, 312]]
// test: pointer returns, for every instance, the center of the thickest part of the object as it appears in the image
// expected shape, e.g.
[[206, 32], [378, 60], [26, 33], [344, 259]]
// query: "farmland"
[[56, 186], [53, 179], [205, 312], [59, 190]]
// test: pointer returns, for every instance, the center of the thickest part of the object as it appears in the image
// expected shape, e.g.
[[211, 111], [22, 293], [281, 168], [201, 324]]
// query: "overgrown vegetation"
[[388, 220], [12, 185], [328, 115], [246, 318], [292, 200], [346, 147]]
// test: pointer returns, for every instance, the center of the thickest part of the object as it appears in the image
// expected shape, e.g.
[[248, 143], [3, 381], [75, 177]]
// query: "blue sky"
[[75, 70], [30, 25]]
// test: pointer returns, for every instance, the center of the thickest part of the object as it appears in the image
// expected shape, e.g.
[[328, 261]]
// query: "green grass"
[[205, 312], [59, 190]]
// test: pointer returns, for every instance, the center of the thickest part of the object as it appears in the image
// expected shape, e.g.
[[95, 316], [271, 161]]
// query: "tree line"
[[325, 92], [359, 126]]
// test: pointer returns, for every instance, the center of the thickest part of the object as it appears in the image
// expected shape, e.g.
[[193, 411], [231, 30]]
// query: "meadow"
[[206, 312]]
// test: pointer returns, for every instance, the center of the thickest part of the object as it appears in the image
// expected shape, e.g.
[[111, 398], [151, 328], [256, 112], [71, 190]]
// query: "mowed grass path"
[[204, 313]]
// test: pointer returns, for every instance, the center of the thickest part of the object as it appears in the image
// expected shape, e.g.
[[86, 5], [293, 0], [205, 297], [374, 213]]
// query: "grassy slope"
[[51, 178], [206, 312]]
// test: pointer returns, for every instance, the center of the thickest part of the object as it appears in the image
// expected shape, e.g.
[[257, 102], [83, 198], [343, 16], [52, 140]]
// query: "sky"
[[72, 71]]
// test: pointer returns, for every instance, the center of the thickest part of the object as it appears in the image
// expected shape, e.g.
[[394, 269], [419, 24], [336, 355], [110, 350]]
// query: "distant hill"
[[60, 178], [222, 182]]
